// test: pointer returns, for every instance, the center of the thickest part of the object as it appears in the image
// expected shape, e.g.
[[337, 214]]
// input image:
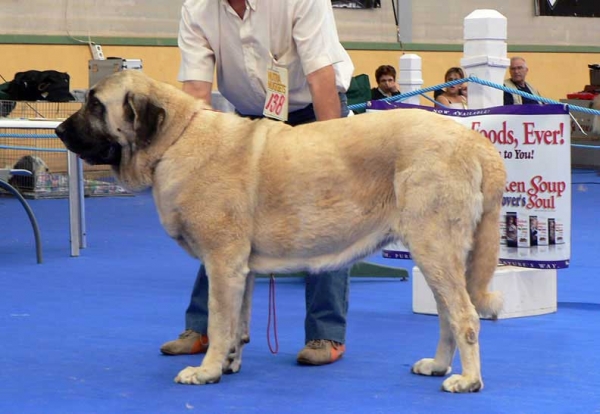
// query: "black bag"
[[35, 85], [359, 91], [6, 104]]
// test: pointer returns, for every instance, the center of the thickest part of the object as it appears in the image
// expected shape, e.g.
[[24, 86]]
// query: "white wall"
[[422, 21]]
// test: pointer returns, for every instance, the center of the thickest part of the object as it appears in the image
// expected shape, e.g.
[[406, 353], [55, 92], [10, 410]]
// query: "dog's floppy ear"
[[145, 116]]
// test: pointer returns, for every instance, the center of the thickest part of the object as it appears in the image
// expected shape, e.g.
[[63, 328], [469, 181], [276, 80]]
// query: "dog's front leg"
[[227, 284], [234, 360]]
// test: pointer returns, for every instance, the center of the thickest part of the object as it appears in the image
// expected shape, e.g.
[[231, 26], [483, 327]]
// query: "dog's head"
[[120, 114]]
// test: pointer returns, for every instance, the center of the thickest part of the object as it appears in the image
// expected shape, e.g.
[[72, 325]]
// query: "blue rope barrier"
[[11, 147], [28, 136], [435, 102], [585, 146], [410, 94], [475, 79], [397, 98], [533, 97]]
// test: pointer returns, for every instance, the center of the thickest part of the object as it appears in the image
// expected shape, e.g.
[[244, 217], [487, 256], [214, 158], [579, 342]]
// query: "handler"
[[281, 59]]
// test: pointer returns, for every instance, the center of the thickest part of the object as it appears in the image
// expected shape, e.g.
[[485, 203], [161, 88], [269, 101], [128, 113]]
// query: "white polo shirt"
[[300, 34]]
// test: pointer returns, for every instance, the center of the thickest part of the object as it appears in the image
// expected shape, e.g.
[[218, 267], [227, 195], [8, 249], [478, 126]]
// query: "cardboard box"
[[100, 68]]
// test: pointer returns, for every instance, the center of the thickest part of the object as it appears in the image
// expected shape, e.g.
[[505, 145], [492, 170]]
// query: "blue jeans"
[[326, 293], [326, 305]]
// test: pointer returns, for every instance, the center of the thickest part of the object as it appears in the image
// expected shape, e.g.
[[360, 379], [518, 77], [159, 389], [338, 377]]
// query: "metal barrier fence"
[[41, 151]]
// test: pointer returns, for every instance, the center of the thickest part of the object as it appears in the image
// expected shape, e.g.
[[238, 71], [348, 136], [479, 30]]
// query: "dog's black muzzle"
[[91, 149]]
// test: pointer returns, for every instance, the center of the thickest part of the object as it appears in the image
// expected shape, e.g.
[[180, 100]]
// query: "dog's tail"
[[486, 243]]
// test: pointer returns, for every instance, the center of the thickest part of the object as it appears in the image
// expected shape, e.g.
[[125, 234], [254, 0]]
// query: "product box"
[[502, 224], [523, 235], [533, 230], [542, 231], [511, 229], [555, 231], [559, 232]]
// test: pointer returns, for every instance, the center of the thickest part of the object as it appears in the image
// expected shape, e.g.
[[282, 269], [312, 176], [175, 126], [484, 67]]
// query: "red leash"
[[272, 311]]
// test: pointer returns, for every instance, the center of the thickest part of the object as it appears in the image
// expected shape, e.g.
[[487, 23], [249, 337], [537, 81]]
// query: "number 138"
[[275, 103]]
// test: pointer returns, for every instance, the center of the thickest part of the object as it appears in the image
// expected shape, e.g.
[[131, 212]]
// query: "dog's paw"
[[197, 376], [459, 383], [232, 367], [233, 364], [428, 366]]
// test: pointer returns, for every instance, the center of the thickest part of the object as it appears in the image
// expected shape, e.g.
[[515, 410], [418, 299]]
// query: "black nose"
[[60, 130]]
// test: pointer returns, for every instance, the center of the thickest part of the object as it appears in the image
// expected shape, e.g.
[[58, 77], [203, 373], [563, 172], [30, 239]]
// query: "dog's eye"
[[95, 106]]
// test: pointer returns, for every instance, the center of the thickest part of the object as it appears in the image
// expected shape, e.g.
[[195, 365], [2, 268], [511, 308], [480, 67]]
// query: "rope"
[[11, 147], [530, 96], [28, 136], [273, 312], [585, 146], [397, 98], [475, 79], [410, 94]]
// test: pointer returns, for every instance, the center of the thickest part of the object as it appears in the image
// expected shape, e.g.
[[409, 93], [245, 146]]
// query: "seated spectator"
[[518, 72], [386, 83], [453, 96]]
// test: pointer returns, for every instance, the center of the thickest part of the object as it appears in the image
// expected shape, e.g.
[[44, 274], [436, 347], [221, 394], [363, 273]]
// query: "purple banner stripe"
[[537, 264], [532, 264], [496, 110]]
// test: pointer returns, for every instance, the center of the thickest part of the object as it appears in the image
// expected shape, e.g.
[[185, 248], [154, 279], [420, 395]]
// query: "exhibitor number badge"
[[276, 105]]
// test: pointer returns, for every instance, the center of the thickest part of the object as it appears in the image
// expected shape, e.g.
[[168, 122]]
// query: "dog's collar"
[[187, 125], [155, 164]]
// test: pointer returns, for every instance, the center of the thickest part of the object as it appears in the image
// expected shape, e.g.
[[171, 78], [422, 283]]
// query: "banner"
[[572, 8], [356, 4], [535, 143]]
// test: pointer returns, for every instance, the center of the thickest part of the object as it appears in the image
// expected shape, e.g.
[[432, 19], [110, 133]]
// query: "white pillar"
[[526, 292], [484, 56], [410, 77]]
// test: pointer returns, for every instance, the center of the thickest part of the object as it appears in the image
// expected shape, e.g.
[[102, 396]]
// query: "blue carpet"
[[81, 335]]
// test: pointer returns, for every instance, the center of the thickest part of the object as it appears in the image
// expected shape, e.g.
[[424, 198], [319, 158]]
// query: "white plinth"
[[410, 76], [526, 292]]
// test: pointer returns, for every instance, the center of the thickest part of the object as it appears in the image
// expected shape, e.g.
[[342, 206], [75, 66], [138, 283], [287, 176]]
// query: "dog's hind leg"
[[459, 325], [234, 360], [440, 249], [227, 275], [482, 264]]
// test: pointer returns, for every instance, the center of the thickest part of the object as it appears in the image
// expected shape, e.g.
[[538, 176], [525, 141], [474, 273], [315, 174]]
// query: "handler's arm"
[[326, 101], [198, 89]]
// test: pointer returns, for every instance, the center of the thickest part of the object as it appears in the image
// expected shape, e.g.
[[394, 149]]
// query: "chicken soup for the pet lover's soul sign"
[[535, 143]]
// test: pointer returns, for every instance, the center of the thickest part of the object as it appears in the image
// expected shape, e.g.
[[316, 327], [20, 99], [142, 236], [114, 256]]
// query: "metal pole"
[[74, 203]]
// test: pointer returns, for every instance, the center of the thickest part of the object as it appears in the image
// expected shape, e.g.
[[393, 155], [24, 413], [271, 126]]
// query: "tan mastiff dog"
[[260, 196]]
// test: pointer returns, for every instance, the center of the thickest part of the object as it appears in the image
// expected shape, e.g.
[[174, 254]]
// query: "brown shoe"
[[189, 342], [321, 352]]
